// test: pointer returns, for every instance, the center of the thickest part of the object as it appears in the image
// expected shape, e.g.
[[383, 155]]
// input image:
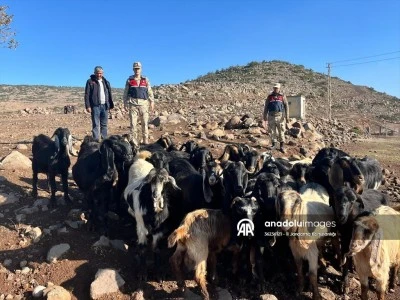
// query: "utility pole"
[[329, 92]]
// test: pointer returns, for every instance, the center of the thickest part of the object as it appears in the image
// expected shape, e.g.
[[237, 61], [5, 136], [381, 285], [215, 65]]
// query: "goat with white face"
[[52, 157], [150, 204]]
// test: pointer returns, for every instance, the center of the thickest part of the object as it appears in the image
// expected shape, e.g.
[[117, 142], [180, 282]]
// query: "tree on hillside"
[[6, 34]]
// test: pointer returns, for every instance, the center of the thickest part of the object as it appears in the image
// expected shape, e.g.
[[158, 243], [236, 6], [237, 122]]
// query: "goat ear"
[[335, 175], [226, 154], [173, 182], [151, 174], [375, 260], [360, 201], [107, 161], [207, 192], [56, 141], [225, 164], [236, 199]]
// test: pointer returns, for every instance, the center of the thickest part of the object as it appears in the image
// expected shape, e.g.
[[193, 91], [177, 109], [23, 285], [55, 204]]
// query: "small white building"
[[297, 106]]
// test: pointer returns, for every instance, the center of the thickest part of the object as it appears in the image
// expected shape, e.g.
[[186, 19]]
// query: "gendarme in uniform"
[[138, 96], [276, 110]]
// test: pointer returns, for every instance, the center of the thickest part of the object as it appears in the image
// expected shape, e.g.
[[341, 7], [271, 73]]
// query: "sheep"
[[375, 248], [202, 234], [52, 157], [308, 221], [347, 205]]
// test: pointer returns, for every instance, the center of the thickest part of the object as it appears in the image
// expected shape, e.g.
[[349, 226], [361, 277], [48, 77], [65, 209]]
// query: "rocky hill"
[[242, 89]]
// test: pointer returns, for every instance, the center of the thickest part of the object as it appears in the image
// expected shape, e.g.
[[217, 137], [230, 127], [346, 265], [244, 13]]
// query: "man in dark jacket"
[[98, 100]]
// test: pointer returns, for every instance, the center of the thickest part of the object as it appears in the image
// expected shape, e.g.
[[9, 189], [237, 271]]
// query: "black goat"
[[189, 146], [347, 206], [96, 173], [247, 223], [195, 194], [235, 182], [199, 157], [69, 109], [51, 156], [241, 152], [328, 152], [359, 173], [163, 143]]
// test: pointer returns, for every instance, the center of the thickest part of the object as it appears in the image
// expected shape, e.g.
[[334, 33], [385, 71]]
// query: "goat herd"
[[186, 197]]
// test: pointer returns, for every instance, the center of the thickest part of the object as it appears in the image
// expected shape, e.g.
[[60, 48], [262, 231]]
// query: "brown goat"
[[202, 234], [375, 248]]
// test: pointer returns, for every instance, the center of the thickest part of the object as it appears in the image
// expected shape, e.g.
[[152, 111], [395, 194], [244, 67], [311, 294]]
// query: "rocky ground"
[[47, 247]]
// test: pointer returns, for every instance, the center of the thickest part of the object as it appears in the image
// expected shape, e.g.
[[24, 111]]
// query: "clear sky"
[[60, 41]]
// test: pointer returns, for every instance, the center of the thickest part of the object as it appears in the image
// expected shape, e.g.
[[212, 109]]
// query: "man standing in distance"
[[276, 112], [138, 97], [98, 100]]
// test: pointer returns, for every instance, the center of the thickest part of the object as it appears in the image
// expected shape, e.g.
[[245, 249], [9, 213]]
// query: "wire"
[[365, 62], [339, 61]]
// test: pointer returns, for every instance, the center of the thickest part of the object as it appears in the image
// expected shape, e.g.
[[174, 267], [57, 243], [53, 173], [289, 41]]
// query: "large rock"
[[217, 133], [56, 252], [106, 281], [15, 161], [233, 123], [56, 292]]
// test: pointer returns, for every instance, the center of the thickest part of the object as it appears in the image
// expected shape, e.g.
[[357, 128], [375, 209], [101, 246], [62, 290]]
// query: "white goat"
[[375, 247], [308, 220]]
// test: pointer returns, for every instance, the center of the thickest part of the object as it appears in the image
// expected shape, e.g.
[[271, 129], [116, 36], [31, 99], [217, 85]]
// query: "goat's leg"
[[364, 286], [300, 277], [382, 282], [142, 262], [212, 262], [260, 268], [34, 184], [313, 269], [176, 262], [200, 277], [53, 189], [64, 179], [392, 279]]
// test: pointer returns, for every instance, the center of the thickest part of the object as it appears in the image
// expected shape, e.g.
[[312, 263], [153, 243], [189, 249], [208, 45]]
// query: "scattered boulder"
[[56, 252], [233, 123], [15, 161], [56, 292], [106, 281]]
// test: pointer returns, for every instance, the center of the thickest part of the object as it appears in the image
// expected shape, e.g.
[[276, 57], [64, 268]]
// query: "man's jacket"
[[92, 93]]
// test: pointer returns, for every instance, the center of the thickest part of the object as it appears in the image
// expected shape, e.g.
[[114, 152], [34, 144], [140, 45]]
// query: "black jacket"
[[92, 93]]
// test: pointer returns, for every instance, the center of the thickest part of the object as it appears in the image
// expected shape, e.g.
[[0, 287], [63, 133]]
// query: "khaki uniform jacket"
[[285, 105], [128, 100]]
